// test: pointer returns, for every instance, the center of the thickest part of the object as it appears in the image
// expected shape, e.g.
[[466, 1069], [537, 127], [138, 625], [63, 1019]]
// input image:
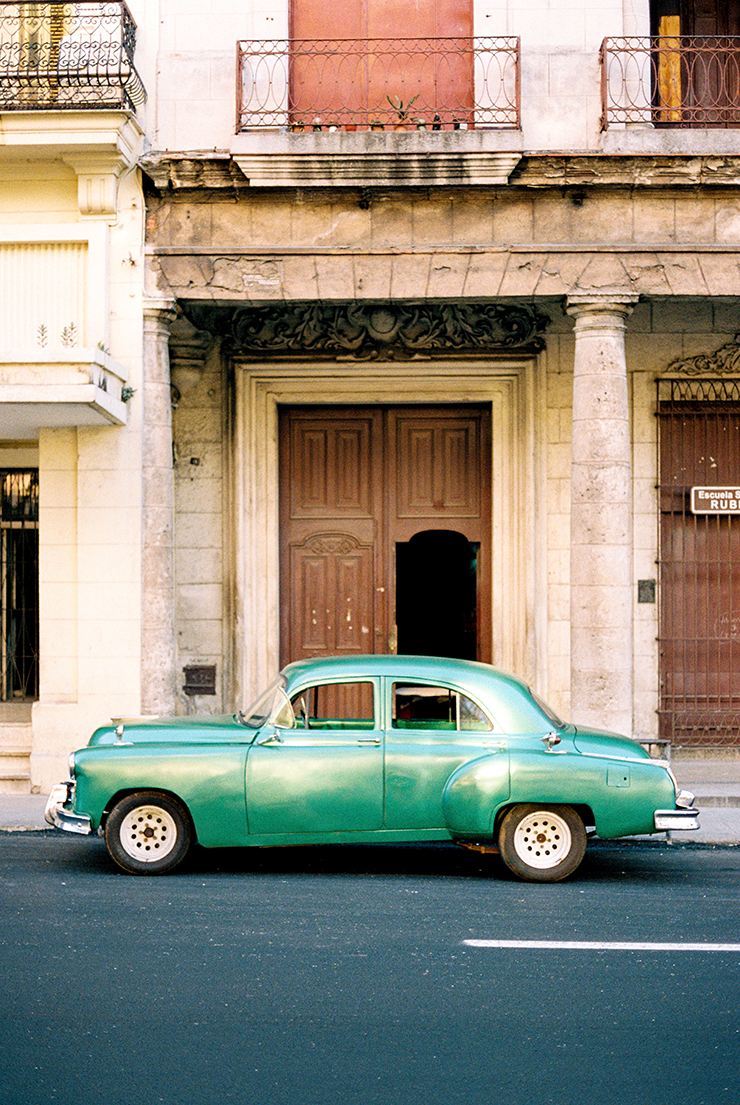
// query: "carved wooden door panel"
[[385, 519], [329, 505]]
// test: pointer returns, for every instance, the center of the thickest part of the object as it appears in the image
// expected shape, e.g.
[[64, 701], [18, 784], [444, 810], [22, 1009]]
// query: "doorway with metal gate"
[[700, 562]]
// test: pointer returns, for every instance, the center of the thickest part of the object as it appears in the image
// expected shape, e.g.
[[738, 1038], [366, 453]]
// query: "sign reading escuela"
[[715, 500]]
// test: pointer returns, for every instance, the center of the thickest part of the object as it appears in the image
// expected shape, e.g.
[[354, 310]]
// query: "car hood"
[[597, 742], [176, 730]]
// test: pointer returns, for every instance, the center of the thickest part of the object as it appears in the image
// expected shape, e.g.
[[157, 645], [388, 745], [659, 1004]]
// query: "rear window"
[[418, 706]]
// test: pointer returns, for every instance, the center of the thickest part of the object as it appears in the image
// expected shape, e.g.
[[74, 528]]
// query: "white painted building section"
[[158, 520]]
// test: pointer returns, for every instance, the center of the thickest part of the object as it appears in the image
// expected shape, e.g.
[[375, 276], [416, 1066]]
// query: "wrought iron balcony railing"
[[671, 81], [68, 56], [347, 84]]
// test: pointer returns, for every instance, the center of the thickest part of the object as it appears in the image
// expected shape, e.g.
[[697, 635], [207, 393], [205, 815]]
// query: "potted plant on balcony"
[[402, 110]]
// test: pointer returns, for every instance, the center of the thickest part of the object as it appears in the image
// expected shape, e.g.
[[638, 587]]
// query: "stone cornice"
[[309, 166], [544, 170]]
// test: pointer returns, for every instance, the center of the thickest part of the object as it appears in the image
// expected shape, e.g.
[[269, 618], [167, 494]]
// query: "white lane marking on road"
[[601, 946]]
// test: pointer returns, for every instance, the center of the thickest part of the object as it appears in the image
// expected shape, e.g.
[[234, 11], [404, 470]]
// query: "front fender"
[[210, 781], [474, 793]]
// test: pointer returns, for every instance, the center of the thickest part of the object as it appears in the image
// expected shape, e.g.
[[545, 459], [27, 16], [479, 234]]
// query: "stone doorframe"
[[519, 546]]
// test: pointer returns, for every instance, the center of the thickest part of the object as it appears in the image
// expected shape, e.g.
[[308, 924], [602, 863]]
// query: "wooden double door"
[[385, 530]]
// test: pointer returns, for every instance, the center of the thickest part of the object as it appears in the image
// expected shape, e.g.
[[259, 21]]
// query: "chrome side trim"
[[676, 819]]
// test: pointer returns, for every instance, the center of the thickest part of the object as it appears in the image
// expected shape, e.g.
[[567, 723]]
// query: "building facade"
[[418, 335]]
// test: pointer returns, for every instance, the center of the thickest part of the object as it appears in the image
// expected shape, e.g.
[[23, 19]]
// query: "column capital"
[[590, 305], [162, 310]]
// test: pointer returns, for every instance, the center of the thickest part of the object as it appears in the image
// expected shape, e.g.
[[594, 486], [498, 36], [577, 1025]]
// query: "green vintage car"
[[369, 749]]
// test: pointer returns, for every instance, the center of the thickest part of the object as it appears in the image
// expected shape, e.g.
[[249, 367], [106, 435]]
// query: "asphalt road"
[[332, 976]]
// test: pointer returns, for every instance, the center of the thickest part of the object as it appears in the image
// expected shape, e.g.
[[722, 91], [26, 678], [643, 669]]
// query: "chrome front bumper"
[[59, 816], [684, 816]]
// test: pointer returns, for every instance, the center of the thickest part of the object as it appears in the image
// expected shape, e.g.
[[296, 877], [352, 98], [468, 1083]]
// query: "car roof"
[[467, 673]]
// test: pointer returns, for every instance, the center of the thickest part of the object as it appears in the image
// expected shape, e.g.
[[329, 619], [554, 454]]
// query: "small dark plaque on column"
[[646, 590], [200, 679]]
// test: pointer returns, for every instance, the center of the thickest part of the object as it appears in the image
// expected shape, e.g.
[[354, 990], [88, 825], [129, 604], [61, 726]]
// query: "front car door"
[[321, 771]]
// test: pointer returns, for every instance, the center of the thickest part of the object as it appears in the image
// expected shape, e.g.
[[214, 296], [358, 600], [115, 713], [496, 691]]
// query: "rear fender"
[[474, 793], [622, 794]]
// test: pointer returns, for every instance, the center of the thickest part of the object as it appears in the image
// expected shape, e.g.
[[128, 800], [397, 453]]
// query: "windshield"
[[270, 706]]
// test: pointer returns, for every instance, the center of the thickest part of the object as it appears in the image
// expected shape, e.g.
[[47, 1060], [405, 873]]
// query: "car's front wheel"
[[148, 833], [542, 843]]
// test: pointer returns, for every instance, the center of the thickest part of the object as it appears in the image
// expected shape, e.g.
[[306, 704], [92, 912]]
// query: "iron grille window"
[[19, 573]]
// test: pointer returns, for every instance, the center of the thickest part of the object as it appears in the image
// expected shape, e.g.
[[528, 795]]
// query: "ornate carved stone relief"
[[725, 361], [375, 331]]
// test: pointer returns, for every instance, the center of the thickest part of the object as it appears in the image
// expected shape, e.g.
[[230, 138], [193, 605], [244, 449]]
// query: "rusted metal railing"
[[671, 81], [68, 56], [347, 84]]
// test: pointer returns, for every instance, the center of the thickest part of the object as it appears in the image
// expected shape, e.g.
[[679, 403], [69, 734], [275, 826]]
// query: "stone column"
[[158, 572], [601, 517]]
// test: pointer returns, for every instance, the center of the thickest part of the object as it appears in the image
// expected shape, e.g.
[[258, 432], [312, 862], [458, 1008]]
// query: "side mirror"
[[550, 740]]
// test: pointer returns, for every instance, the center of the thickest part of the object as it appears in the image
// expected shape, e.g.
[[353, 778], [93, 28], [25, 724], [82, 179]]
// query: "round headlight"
[[71, 765]]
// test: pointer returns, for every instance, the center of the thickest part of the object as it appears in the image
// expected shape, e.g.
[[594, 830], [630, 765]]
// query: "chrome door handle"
[[368, 740]]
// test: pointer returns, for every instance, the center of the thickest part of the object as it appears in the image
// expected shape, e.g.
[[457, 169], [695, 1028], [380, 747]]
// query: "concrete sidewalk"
[[716, 784]]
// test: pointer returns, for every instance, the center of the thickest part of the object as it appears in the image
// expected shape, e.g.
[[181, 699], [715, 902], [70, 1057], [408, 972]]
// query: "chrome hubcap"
[[542, 839], [148, 833]]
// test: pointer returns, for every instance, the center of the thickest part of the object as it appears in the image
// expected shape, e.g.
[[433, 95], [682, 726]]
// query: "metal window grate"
[[19, 575], [699, 565]]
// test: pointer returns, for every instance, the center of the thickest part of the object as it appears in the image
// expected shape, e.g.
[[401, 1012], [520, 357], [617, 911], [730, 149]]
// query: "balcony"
[[378, 84], [671, 82], [378, 112], [68, 57]]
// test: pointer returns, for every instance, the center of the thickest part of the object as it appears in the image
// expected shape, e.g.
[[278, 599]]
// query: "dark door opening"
[[437, 595], [19, 585]]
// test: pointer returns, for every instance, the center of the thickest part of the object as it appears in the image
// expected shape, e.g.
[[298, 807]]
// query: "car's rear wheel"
[[542, 843], [148, 833]]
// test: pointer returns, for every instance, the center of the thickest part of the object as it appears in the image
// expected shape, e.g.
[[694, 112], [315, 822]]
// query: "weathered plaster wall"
[[560, 76], [90, 489], [203, 626], [485, 243], [674, 250]]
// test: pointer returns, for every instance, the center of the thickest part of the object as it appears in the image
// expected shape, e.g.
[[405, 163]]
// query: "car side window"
[[335, 706], [417, 706]]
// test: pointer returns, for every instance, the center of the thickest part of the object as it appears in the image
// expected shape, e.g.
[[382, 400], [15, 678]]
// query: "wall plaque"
[[715, 500]]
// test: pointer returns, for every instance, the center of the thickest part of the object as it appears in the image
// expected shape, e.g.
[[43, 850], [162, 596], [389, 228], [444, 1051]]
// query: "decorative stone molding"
[[376, 331], [188, 350], [97, 183], [725, 361]]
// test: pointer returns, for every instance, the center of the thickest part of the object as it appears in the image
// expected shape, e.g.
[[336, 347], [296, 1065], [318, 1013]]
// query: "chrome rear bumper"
[[685, 815]]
